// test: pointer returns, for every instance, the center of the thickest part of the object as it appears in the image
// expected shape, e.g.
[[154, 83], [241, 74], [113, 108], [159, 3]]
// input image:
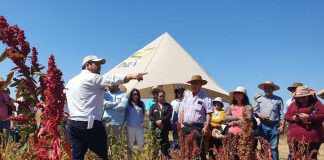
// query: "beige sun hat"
[[240, 89], [93, 58], [294, 86], [303, 91], [197, 78], [321, 93], [268, 83]]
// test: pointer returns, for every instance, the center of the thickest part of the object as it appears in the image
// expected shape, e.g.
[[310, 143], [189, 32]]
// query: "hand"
[[181, 125], [230, 124], [139, 76], [205, 130], [296, 118], [304, 116], [158, 123], [281, 129], [263, 117]]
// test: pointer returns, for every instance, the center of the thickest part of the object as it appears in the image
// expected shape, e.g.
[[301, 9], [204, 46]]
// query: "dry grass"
[[284, 151]]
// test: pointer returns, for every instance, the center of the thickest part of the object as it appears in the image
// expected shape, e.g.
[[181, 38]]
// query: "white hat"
[[240, 89], [218, 99], [93, 58]]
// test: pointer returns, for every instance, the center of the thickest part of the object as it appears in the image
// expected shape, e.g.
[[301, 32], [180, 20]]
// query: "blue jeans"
[[82, 138], [270, 133]]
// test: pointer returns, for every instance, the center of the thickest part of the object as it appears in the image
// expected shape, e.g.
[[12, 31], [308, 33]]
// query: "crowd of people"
[[97, 108]]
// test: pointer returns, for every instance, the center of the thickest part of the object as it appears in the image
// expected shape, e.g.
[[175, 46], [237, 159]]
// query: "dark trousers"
[[82, 138], [165, 145], [188, 128]]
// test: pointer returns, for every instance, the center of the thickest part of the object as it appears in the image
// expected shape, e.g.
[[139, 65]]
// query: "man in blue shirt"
[[114, 109], [269, 109]]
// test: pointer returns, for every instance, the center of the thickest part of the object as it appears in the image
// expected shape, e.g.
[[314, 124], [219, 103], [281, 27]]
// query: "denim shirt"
[[115, 107], [134, 115], [272, 107]]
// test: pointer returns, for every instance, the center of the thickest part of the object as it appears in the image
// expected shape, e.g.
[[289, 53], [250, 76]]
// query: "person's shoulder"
[[248, 106], [203, 95], [260, 99], [277, 97], [167, 104]]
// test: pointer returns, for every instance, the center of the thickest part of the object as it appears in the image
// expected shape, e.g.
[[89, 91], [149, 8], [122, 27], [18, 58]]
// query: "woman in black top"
[[160, 115]]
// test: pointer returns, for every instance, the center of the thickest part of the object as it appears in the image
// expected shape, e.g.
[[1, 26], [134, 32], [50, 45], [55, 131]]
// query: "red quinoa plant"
[[47, 96]]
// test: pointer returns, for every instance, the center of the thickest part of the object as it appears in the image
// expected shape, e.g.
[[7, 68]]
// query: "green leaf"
[[15, 84], [39, 73], [3, 56]]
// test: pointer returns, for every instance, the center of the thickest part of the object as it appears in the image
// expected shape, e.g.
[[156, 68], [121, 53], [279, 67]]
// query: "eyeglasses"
[[135, 94]]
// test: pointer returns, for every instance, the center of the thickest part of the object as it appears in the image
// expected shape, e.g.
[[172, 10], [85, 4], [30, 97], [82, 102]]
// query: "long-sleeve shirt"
[[134, 115], [311, 130], [272, 107], [164, 114], [235, 113], [85, 94], [115, 107], [217, 118]]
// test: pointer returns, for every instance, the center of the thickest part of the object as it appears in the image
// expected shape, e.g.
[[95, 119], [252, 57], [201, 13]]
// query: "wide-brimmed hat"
[[197, 78], [294, 86], [321, 93], [268, 83], [93, 58], [239, 89], [303, 91]]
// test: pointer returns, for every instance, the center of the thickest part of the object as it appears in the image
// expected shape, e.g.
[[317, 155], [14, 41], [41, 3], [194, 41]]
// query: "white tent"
[[168, 65]]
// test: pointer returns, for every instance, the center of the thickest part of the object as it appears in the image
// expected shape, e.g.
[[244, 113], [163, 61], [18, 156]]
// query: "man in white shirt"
[[85, 94]]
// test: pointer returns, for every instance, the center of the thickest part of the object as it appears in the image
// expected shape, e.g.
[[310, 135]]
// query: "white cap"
[[93, 58], [218, 99]]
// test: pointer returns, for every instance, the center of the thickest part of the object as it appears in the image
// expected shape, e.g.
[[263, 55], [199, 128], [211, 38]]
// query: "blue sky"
[[236, 42]]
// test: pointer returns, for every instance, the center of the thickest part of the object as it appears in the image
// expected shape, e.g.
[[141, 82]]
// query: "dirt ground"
[[284, 151]]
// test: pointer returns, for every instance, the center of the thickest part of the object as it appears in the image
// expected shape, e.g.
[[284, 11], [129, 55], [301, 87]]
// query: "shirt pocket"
[[198, 107]]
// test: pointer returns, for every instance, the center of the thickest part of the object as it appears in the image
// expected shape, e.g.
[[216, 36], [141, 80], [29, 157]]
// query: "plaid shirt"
[[195, 108]]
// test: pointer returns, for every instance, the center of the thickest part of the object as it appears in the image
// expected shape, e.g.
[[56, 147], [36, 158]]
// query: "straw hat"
[[93, 58], [321, 93], [294, 86], [197, 78], [268, 83], [303, 91], [239, 89]]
